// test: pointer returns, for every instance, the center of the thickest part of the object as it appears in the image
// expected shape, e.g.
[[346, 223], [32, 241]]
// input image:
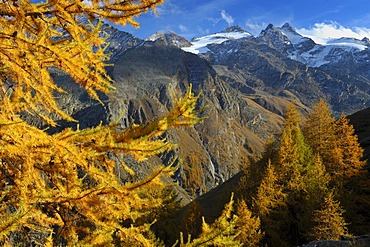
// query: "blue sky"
[[314, 18]]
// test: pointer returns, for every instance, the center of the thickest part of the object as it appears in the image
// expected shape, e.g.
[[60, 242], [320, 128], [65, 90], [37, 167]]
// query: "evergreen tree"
[[294, 155]]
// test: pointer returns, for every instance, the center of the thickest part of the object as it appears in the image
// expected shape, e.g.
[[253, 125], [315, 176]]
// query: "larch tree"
[[294, 160], [330, 224], [222, 232], [294, 155], [319, 132], [338, 146], [250, 233], [62, 188], [351, 177], [302, 177], [350, 164], [269, 194], [270, 206]]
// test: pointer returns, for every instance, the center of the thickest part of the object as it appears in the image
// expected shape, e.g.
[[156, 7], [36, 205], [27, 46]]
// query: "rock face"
[[170, 38], [246, 83], [213, 150]]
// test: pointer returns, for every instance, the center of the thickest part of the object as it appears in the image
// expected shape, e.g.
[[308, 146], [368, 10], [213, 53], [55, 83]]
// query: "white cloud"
[[183, 28], [228, 18], [254, 27], [322, 32]]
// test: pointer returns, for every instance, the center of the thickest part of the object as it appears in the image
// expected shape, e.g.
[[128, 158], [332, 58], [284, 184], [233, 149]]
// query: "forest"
[[62, 189]]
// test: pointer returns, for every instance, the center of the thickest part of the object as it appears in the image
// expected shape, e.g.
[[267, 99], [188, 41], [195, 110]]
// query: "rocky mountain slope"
[[280, 59], [245, 82]]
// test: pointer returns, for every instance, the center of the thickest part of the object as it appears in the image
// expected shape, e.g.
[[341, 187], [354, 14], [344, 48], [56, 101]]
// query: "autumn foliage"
[[62, 189], [310, 182]]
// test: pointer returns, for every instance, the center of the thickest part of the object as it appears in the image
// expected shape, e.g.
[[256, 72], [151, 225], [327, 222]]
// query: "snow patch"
[[199, 45]]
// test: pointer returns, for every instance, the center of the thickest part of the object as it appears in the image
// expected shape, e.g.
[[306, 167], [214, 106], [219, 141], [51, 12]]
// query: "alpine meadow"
[[200, 171]]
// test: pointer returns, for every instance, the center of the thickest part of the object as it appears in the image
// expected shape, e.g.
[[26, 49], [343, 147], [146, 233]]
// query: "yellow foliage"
[[51, 34], [222, 232], [351, 152], [63, 186], [319, 131], [269, 194], [250, 233], [330, 223]]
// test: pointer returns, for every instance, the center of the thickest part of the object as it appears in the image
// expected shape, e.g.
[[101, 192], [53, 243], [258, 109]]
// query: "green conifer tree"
[[317, 181]]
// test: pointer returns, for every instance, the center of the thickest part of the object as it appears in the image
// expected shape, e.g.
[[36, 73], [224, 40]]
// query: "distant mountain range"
[[289, 42], [338, 71], [246, 83]]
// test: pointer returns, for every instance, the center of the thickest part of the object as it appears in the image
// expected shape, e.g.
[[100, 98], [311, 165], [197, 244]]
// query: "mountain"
[[169, 38], [119, 41], [279, 59], [199, 45], [246, 83]]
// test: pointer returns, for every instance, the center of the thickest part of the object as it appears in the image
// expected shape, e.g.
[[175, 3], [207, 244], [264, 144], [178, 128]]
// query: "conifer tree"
[[271, 207], [61, 35], [222, 232], [294, 155], [269, 195], [350, 164], [302, 178], [319, 131], [317, 181], [337, 145], [351, 178], [62, 188], [330, 223], [247, 226]]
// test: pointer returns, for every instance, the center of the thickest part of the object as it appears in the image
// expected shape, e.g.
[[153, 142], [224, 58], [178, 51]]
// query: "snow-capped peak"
[[285, 34], [293, 36], [234, 29], [169, 38], [199, 45], [350, 42]]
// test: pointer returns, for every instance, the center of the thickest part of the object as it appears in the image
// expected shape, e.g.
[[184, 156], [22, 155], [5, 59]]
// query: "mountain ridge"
[[246, 84]]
